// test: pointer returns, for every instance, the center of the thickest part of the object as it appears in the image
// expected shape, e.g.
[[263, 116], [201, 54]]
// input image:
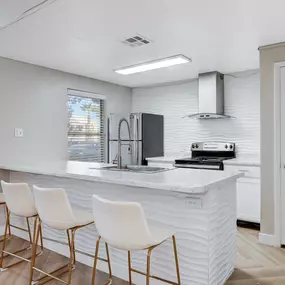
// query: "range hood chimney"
[[211, 97]]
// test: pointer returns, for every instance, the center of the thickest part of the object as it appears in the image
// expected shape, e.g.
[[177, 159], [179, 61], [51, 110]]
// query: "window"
[[86, 139]]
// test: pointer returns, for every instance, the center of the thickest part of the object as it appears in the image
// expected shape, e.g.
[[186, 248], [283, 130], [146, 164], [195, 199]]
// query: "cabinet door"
[[248, 200]]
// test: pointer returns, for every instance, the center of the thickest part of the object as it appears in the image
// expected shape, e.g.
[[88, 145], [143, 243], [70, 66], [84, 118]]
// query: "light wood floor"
[[256, 264]]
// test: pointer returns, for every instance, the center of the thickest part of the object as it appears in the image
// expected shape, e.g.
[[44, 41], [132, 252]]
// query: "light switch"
[[19, 133]]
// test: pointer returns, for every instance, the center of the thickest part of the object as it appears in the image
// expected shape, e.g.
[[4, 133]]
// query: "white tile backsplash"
[[242, 100]]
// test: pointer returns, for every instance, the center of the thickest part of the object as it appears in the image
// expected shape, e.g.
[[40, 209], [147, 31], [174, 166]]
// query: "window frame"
[[92, 95]]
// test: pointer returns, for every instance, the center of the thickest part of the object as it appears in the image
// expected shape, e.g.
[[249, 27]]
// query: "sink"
[[134, 168]]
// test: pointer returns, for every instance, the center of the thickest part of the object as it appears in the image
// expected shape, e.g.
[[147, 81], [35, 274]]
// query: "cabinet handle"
[[245, 170]]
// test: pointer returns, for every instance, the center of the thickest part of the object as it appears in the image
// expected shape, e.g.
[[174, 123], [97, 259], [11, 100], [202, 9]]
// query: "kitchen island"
[[199, 204]]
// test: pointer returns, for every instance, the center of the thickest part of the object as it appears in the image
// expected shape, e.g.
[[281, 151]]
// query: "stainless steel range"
[[208, 155]]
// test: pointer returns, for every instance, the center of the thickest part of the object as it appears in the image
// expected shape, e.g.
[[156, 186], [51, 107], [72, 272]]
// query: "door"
[[282, 208]]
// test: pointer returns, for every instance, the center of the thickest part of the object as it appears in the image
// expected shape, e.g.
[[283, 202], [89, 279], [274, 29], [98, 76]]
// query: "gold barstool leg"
[[130, 266], [148, 275], [48, 276], [5, 238], [34, 249], [9, 228], [72, 256], [14, 254], [95, 261], [109, 262], [148, 265], [176, 260], [41, 237], [55, 274], [96, 257], [29, 231]]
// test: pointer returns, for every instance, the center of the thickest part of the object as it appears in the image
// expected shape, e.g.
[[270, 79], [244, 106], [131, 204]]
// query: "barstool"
[[123, 225], [20, 202], [2, 203], [55, 212]]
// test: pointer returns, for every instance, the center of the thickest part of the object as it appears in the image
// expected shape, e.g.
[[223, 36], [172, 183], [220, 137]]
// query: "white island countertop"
[[175, 179]]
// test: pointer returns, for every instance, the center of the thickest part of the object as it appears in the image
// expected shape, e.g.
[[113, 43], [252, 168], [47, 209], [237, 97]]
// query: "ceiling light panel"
[[155, 64]]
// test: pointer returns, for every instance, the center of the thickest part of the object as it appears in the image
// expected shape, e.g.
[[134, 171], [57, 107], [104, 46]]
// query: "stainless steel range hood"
[[211, 97]]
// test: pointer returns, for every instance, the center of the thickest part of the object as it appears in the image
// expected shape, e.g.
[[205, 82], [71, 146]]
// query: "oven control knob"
[[197, 146], [226, 146], [231, 146]]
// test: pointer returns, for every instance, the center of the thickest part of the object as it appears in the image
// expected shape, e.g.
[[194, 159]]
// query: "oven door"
[[208, 166]]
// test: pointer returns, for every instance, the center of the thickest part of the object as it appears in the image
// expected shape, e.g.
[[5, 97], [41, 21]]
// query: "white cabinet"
[[248, 199], [248, 192]]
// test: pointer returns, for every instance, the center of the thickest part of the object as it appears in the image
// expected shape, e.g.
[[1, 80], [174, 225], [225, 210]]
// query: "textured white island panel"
[[205, 236]]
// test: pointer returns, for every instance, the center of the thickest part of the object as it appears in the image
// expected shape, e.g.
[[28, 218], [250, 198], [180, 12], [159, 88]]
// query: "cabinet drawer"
[[166, 164], [249, 171]]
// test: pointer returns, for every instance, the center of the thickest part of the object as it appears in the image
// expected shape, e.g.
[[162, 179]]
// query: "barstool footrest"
[[18, 251], [22, 259], [49, 275], [154, 277]]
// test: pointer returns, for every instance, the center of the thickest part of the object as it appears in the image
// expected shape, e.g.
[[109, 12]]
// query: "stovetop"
[[204, 158], [208, 155]]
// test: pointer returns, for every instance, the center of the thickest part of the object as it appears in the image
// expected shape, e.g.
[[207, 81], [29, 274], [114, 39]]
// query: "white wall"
[[34, 98], [242, 100]]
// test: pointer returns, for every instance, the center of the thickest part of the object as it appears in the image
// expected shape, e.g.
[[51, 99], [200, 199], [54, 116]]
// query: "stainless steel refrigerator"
[[147, 138]]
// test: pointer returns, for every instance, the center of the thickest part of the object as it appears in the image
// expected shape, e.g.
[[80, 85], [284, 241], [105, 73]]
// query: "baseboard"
[[271, 240], [120, 271]]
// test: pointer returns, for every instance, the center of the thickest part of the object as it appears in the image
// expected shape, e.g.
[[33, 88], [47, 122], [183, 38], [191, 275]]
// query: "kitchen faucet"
[[120, 141]]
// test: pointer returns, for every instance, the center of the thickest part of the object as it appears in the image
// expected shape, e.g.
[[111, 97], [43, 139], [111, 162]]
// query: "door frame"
[[279, 137]]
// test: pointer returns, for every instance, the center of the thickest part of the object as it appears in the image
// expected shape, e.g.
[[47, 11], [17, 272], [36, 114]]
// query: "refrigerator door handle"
[[137, 143]]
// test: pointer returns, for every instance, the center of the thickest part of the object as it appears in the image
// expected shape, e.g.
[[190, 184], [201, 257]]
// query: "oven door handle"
[[198, 166]]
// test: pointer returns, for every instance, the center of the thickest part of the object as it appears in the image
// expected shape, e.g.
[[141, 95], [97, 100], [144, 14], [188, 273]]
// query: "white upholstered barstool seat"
[[19, 202], [56, 212], [123, 225]]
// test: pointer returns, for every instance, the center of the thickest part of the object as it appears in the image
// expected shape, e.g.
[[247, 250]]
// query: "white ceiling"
[[83, 36]]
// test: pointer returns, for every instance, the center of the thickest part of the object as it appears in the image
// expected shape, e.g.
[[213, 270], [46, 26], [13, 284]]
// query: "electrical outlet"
[[193, 202], [19, 133]]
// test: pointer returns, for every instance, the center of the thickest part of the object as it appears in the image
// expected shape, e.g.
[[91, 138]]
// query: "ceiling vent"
[[136, 41]]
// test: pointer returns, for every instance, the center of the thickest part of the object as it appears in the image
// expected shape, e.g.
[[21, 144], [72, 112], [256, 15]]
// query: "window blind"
[[86, 138]]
